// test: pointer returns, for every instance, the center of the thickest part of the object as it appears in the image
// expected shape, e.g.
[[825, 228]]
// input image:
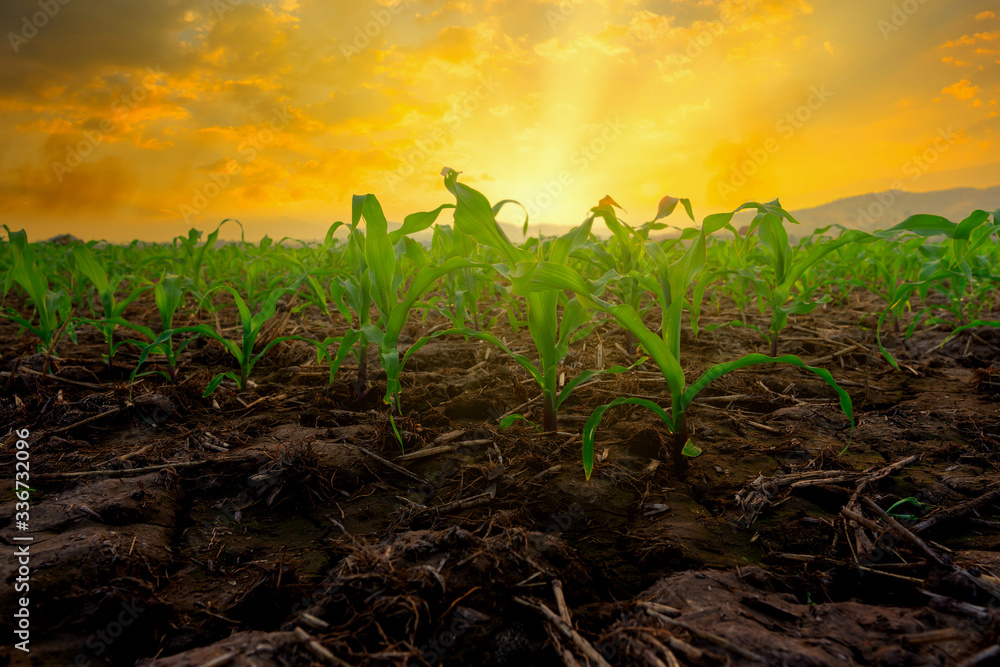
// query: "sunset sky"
[[130, 119]]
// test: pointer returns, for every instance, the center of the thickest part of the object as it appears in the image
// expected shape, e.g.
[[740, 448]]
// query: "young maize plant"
[[352, 289], [106, 287], [669, 283], [623, 254], [53, 307], [785, 289], [168, 294], [242, 350], [955, 264], [256, 263], [551, 333], [881, 269], [733, 264], [466, 289], [190, 257], [310, 272], [382, 254]]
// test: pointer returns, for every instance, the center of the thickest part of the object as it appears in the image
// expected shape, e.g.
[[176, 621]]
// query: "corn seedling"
[[956, 264], [191, 255], [551, 331], [383, 277], [53, 308], [168, 294], [241, 349], [669, 283], [113, 309]]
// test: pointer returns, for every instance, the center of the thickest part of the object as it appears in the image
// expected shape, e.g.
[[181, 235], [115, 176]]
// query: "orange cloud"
[[380, 94], [963, 90]]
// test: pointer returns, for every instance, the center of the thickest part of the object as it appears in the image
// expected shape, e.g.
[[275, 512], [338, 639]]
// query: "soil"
[[283, 524]]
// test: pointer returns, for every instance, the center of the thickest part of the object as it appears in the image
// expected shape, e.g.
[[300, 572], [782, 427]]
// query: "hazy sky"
[[142, 118]]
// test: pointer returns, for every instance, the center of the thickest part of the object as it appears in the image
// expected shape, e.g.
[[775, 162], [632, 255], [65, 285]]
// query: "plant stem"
[[549, 422], [680, 439], [774, 343], [362, 382], [629, 344]]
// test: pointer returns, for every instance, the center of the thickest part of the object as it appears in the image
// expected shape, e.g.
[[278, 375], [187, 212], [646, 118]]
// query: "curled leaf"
[[666, 207], [690, 449], [607, 203]]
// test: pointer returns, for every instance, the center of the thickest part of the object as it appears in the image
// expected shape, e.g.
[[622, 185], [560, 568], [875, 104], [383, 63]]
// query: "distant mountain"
[[880, 210]]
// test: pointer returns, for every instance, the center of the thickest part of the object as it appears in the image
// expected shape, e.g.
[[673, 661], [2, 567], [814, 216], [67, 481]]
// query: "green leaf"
[[570, 241], [690, 449], [754, 359], [971, 325], [474, 216], [509, 420], [500, 204], [379, 254], [590, 428], [590, 374], [416, 222], [94, 271], [423, 281], [926, 225], [667, 206], [214, 383]]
